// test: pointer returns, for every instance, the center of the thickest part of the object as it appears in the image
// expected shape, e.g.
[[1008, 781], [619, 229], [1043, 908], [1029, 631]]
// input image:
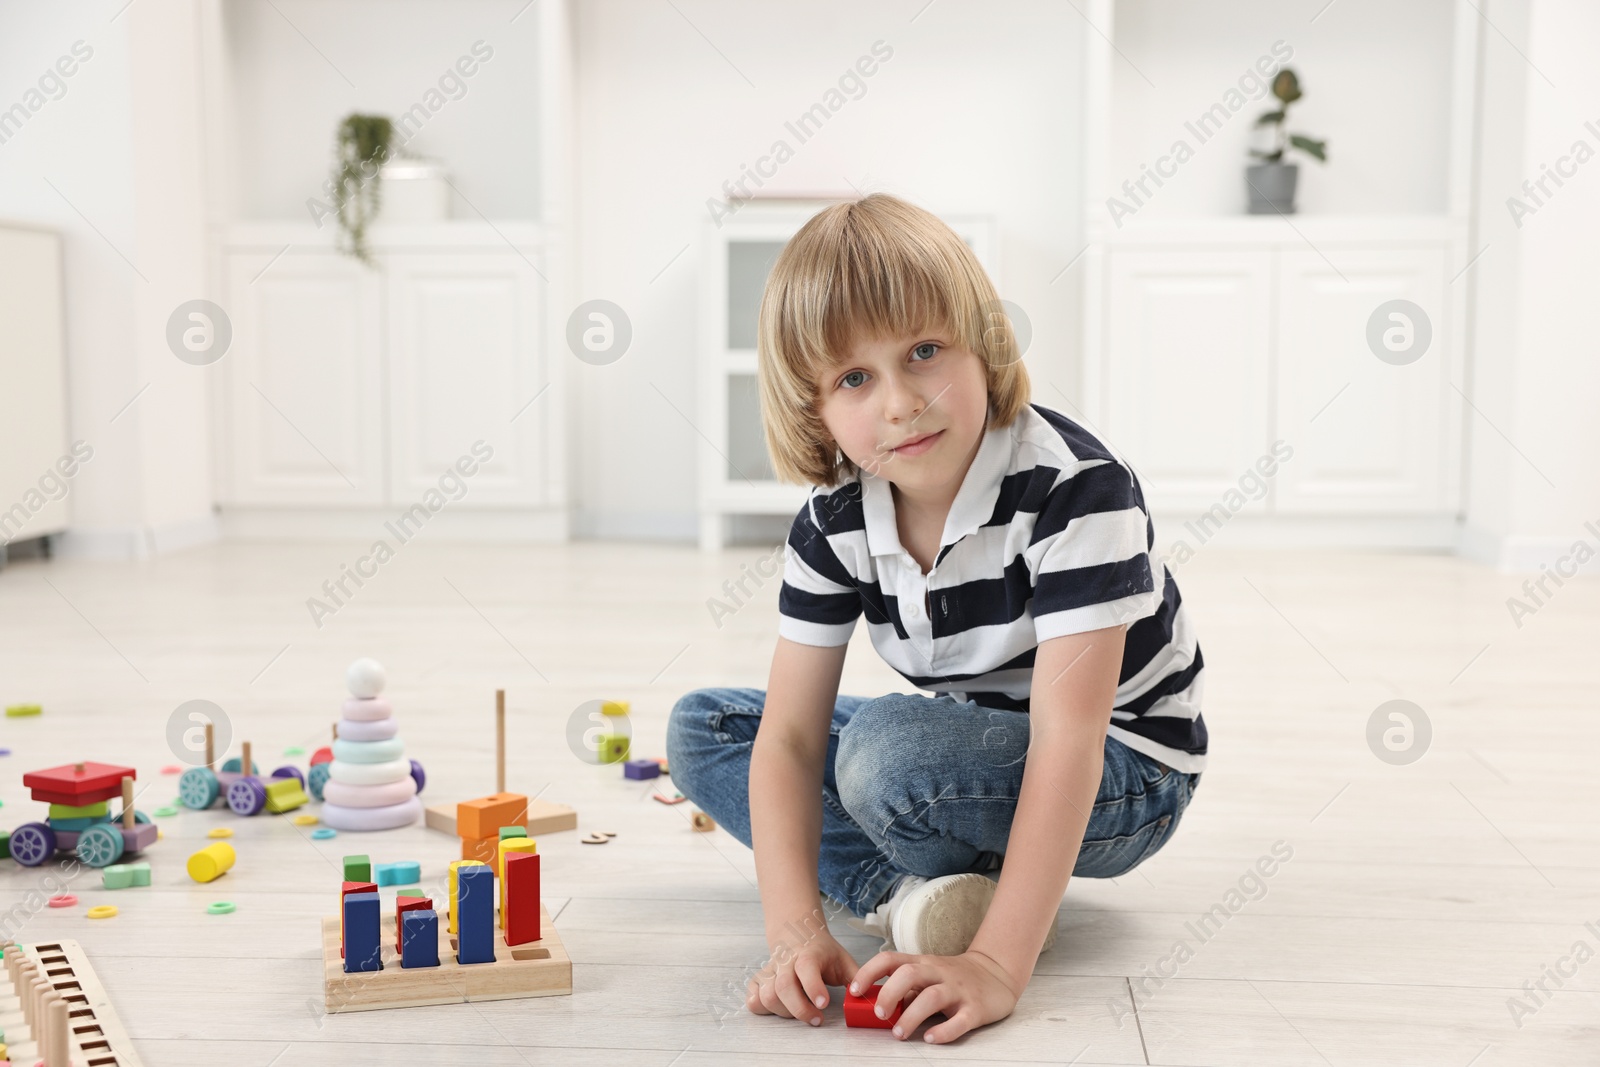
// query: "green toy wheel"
[[198, 788], [100, 846]]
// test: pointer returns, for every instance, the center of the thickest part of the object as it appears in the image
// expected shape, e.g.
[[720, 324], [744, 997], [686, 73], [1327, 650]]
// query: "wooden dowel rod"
[[499, 740], [127, 802]]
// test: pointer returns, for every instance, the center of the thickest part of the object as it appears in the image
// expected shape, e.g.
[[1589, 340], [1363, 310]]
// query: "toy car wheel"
[[290, 772], [247, 796], [139, 817], [101, 845], [232, 766], [317, 779], [198, 788], [418, 775], [32, 843]]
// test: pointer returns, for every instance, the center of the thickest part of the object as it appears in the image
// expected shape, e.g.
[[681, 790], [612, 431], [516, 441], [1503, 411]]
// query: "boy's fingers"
[[809, 973], [794, 997], [875, 968], [905, 978], [920, 1005]]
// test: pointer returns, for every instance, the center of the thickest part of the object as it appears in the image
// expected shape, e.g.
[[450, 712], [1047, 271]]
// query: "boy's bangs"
[[874, 289]]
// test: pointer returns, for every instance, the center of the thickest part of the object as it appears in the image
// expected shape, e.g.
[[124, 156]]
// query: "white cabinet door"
[[464, 359], [1369, 436], [304, 381], [1188, 336]]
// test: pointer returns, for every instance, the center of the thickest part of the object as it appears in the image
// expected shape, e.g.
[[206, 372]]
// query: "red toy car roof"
[[78, 783]]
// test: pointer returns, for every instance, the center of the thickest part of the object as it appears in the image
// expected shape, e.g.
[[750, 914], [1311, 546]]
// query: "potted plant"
[[1272, 181], [364, 144]]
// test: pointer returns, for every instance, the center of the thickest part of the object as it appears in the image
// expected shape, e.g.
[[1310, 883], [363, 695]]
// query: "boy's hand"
[[794, 983], [971, 990]]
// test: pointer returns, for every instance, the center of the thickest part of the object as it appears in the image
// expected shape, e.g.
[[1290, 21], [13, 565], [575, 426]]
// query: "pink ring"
[[346, 795], [64, 900], [360, 710], [389, 818]]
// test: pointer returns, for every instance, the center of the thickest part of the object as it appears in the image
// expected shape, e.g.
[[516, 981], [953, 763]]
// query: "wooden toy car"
[[245, 791], [78, 794]]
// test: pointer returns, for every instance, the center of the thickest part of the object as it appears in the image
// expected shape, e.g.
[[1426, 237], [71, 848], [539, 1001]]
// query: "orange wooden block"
[[482, 849], [484, 817]]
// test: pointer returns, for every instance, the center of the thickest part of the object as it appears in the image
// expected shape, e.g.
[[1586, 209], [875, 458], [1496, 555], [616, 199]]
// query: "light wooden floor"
[[1418, 900]]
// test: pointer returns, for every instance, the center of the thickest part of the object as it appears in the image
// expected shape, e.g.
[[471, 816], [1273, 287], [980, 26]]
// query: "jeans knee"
[[861, 766], [688, 726]]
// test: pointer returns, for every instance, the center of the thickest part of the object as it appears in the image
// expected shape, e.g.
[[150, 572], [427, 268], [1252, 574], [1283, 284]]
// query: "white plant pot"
[[413, 191]]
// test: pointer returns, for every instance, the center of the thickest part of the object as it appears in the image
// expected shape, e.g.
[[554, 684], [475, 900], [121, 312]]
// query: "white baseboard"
[[122, 543], [368, 524], [1522, 554]]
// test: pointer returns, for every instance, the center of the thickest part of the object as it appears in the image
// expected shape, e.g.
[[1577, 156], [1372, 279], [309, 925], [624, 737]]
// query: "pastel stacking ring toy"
[[370, 785]]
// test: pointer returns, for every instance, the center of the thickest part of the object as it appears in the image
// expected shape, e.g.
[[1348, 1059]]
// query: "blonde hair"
[[876, 267]]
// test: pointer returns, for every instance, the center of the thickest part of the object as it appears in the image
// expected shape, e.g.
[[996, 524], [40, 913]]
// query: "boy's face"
[[911, 410]]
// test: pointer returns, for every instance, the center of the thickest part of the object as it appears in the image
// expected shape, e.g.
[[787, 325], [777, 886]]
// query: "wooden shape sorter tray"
[[94, 1032], [539, 968]]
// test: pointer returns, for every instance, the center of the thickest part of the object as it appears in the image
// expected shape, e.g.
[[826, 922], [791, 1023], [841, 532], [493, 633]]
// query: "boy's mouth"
[[918, 444]]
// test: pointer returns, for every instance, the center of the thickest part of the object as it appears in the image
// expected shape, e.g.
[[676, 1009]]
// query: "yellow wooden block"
[[510, 844], [455, 890]]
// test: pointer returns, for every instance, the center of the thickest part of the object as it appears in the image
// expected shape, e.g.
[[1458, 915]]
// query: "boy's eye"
[[934, 349], [846, 380]]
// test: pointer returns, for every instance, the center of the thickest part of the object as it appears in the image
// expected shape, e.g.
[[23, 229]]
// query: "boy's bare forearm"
[[786, 831]]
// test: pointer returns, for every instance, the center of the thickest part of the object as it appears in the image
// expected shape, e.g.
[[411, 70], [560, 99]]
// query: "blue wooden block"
[[405, 872], [476, 899], [419, 937], [641, 769], [361, 938]]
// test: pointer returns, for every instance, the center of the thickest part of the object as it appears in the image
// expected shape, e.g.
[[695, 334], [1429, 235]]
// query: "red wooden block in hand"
[[862, 1011]]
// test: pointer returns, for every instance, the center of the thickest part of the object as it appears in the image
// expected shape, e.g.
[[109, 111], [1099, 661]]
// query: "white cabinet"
[[463, 341], [36, 462], [348, 385], [1368, 435], [304, 380], [1188, 386], [1212, 354]]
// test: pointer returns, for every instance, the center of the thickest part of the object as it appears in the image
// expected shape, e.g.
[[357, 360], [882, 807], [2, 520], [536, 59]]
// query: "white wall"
[[978, 111], [1535, 443], [300, 66], [113, 164], [1376, 79]]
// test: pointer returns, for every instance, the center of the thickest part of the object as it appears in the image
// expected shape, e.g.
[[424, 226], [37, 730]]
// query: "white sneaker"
[[937, 916]]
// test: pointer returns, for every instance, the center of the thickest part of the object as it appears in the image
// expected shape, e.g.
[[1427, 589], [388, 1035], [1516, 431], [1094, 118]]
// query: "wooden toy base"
[[537, 969], [94, 1030], [544, 817]]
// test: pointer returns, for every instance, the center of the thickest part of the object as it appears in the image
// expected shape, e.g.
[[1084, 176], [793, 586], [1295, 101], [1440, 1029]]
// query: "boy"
[[1002, 556]]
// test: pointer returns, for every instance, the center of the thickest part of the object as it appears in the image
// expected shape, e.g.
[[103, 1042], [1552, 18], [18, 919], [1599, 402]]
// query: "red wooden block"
[[522, 898], [67, 784], [862, 1011], [401, 906], [346, 888]]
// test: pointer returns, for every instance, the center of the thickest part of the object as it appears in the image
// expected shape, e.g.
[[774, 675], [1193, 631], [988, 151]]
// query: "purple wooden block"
[[641, 769]]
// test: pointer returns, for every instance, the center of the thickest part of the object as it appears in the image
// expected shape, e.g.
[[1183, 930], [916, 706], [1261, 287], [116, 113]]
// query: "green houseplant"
[[363, 145], [1272, 181]]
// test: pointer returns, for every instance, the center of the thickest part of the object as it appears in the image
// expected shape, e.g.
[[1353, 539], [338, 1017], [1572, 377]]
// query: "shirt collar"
[[974, 501]]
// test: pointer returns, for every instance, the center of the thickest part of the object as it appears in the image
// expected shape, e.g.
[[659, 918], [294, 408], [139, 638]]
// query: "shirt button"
[[911, 610]]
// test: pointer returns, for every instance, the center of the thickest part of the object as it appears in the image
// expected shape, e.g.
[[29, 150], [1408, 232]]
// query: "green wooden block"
[[613, 748], [85, 811], [513, 831], [410, 891], [140, 871], [357, 869], [20, 711], [285, 794], [5, 844], [117, 876]]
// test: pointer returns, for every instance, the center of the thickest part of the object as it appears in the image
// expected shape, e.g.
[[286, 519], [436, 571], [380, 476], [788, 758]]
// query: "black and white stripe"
[[1049, 535]]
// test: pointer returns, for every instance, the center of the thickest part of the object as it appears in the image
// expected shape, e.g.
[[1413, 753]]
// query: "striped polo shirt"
[[1048, 535]]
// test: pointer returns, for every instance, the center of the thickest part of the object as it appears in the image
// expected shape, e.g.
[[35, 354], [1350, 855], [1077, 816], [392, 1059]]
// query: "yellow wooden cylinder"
[[211, 862]]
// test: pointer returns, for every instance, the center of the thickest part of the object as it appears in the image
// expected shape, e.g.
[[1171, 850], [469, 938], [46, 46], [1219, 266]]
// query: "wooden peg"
[[127, 802], [55, 1046], [499, 740], [210, 756], [244, 758]]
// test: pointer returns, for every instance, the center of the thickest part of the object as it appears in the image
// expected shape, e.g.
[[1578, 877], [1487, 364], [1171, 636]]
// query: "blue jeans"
[[917, 785]]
